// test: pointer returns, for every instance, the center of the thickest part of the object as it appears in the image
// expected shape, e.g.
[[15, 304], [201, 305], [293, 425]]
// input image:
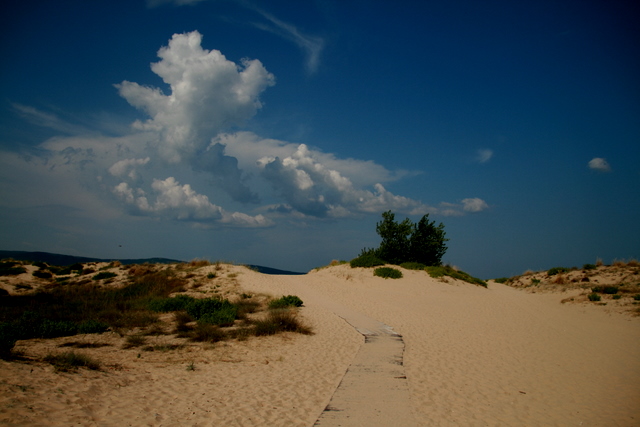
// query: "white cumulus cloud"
[[208, 94], [474, 205], [599, 164]]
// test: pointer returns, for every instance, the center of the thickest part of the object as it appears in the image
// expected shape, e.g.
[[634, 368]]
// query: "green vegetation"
[[71, 361], [11, 268], [439, 271], [387, 273], [589, 267], [605, 289], [286, 301], [280, 321], [594, 297], [501, 280], [366, 259], [556, 270], [104, 275], [413, 265], [636, 297]]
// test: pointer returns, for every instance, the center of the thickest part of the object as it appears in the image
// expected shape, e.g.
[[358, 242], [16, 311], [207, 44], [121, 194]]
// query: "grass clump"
[[286, 301], [413, 265], [387, 273], [594, 297], [366, 259], [71, 361], [556, 270], [445, 270], [589, 267], [104, 275], [501, 280], [11, 268], [280, 321], [610, 290]]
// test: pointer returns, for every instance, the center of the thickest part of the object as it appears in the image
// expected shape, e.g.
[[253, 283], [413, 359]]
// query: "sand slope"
[[472, 356]]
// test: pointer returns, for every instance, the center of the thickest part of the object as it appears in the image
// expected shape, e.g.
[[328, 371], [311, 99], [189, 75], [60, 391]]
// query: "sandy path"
[[497, 356]]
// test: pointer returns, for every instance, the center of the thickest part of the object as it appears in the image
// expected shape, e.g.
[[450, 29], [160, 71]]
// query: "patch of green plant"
[[589, 267], [104, 275], [366, 259], [286, 301], [65, 270], [617, 296], [92, 327], [206, 332], [594, 297], [280, 321], [636, 297], [71, 361], [387, 273], [165, 305], [211, 276], [42, 274], [501, 280], [11, 268], [445, 270], [605, 289], [224, 316], [556, 270], [535, 282], [413, 265]]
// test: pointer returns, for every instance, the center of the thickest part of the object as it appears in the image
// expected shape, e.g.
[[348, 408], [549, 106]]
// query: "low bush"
[[617, 296], [445, 270], [165, 305], [11, 268], [42, 274], [224, 316], [589, 267], [555, 270], [71, 361], [636, 297], [413, 265], [366, 259], [286, 301], [501, 280], [205, 332], [104, 275], [594, 297], [611, 290], [387, 273], [280, 321]]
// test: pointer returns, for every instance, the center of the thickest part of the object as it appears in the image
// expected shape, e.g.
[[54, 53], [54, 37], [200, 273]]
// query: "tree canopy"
[[423, 242]]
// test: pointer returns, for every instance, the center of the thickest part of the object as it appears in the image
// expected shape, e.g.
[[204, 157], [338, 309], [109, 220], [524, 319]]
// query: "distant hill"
[[59, 259]]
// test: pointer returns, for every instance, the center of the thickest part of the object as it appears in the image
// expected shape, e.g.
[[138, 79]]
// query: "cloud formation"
[[311, 45], [484, 155], [187, 145], [599, 164]]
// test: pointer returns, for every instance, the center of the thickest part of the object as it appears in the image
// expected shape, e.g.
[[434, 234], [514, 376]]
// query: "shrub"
[[280, 321], [589, 267], [387, 273], [211, 276], [92, 327], [501, 280], [287, 301], [71, 361], [205, 332], [366, 259], [11, 268], [594, 297], [439, 271], [413, 265], [636, 297], [224, 316], [8, 338], [617, 296], [104, 275], [555, 270], [42, 274], [197, 308], [177, 303], [605, 289]]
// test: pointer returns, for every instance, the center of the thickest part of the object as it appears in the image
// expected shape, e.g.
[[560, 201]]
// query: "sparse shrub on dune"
[[556, 270], [71, 361], [366, 259], [501, 280], [280, 321], [286, 301], [446, 270], [11, 268], [589, 267], [413, 265], [605, 289], [594, 297], [387, 273], [103, 275]]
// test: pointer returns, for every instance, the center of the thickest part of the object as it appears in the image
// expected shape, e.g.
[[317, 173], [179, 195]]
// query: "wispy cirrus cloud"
[[312, 46], [484, 155]]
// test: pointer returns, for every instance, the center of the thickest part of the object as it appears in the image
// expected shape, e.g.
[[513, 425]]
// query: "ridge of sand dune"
[[473, 356]]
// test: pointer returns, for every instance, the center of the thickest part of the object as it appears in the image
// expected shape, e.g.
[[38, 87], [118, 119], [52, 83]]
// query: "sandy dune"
[[471, 356]]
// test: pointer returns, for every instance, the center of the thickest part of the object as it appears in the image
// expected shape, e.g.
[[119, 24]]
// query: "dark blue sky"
[[276, 132]]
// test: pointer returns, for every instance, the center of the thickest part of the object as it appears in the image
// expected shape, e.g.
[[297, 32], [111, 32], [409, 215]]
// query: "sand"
[[436, 354]]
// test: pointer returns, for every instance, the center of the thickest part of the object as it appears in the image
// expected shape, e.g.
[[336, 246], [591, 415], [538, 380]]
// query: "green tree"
[[427, 242], [395, 245], [423, 242]]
